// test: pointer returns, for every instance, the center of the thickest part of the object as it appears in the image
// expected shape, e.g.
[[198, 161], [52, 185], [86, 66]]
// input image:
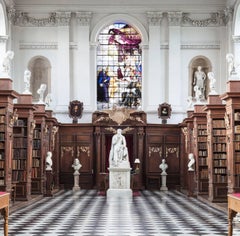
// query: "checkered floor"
[[86, 213]]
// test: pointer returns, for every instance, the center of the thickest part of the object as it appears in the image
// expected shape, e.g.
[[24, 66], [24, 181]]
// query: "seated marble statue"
[[163, 166], [49, 161], [119, 153]]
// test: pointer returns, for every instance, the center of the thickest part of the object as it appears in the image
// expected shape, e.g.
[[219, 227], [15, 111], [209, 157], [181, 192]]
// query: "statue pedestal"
[[49, 183], [164, 181], [119, 182], [76, 181]]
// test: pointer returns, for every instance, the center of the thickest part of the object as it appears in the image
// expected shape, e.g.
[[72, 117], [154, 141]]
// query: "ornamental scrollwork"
[[172, 150], [67, 149], [85, 149], [155, 150]]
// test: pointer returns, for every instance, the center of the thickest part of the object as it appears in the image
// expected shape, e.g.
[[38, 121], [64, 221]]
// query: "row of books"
[[218, 124], [220, 178], [20, 142], [220, 163], [220, 171], [19, 176], [19, 164], [203, 174], [36, 173], [219, 155], [219, 147], [19, 153]]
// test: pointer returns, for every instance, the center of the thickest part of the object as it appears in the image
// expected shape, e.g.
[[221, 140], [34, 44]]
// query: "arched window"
[[119, 67]]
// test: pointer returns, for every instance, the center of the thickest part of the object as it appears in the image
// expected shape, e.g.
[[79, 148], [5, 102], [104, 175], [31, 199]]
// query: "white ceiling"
[[121, 5]]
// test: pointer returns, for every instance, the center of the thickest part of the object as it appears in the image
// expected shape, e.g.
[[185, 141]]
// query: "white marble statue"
[[199, 80], [230, 61], [191, 162], [49, 161], [190, 103], [6, 64], [198, 94], [212, 83], [48, 100], [41, 92], [27, 77], [119, 151], [76, 166], [163, 166]]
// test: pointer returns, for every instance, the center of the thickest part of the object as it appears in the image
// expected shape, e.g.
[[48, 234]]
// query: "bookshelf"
[[200, 149], [218, 161], [36, 178], [20, 157], [2, 147], [232, 123]]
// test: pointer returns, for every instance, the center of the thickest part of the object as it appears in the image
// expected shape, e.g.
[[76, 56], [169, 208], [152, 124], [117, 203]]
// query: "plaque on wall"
[[75, 110], [164, 112]]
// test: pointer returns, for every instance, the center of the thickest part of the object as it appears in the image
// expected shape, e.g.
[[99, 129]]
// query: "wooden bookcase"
[[2, 146], [200, 149], [232, 123], [217, 150], [22, 147], [7, 116]]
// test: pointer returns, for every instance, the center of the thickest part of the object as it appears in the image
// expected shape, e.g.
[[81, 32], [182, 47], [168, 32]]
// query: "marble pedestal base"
[[76, 182], [119, 182]]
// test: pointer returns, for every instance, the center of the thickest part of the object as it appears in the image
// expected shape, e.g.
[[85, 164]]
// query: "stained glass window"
[[119, 67]]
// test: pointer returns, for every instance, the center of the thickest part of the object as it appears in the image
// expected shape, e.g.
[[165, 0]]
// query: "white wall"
[[29, 42]]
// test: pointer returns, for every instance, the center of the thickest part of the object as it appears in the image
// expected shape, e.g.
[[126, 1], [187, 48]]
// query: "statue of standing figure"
[[41, 92], [212, 83], [119, 151], [27, 76], [7, 63], [199, 80]]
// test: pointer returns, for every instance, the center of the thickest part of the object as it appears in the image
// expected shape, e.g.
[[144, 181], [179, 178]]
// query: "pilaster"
[[174, 60], [156, 83], [83, 60], [63, 78]]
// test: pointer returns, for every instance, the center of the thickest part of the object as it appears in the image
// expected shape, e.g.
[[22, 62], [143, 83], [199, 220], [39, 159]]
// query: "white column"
[[62, 82], [82, 89], [155, 90], [174, 63]]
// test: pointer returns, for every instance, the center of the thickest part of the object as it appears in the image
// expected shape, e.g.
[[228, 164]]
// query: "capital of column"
[[174, 18], [3, 38], [63, 18], [154, 17], [236, 39], [83, 18]]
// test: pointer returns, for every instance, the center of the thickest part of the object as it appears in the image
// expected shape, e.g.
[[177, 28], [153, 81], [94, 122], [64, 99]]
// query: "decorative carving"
[[227, 121], [124, 131], [85, 149], [53, 134], [185, 133], [174, 18], [83, 18], [214, 19], [38, 45], [67, 149], [13, 118], [155, 150], [23, 19], [171, 150], [154, 18], [63, 18]]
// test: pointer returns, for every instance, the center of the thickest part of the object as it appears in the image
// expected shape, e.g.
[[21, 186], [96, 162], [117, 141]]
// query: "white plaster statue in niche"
[[199, 80], [49, 161], [27, 77], [7, 63], [212, 83], [76, 166], [119, 151], [191, 162], [163, 166], [41, 92]]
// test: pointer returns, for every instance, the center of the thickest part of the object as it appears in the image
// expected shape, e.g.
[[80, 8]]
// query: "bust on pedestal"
[[76, 166], [191, 170], [163, 166], [49, 174], [119, 168]]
